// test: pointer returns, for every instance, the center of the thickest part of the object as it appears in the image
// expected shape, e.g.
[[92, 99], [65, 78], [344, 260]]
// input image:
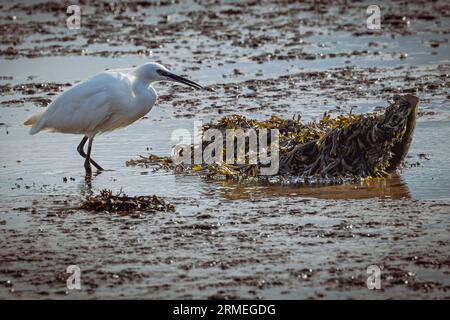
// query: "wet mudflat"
[[224, 239]]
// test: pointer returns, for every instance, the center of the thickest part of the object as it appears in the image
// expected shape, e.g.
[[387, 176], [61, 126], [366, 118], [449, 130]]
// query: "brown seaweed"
[[120, 202]]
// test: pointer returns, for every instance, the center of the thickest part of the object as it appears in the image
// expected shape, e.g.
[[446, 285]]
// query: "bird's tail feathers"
[[33, 122]]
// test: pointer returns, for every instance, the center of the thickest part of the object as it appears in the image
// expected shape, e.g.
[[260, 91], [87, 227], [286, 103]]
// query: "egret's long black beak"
[[179, 79]]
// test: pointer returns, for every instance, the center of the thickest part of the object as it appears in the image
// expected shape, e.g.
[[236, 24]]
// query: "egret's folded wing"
[[81, 108]]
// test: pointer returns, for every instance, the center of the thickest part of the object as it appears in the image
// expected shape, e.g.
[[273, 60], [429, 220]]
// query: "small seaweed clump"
[[346, 147], [121, 203]]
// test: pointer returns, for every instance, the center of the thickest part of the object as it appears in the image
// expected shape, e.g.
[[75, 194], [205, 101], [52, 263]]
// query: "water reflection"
[[391, 187], [85, 186]]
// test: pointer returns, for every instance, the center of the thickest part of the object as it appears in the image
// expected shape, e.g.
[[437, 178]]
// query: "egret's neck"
[[141, 89], [139, 85], [138, 81]]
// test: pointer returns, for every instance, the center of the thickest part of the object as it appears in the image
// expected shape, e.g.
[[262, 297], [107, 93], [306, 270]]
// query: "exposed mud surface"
[[223, 240], [283, 247]]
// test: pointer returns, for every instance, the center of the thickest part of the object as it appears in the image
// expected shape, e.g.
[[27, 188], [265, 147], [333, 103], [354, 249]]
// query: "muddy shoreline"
[[321, 249]]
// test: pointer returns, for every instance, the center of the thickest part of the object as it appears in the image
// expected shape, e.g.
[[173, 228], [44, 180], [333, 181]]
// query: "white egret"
[[105, 102]]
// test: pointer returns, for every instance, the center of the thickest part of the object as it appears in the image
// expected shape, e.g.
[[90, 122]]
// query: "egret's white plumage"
[[105, 102]]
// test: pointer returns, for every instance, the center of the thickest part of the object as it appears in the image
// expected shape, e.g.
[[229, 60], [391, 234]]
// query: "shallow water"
[[228, 239], [42, 161]]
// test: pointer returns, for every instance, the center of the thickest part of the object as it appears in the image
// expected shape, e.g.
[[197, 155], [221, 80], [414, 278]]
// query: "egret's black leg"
[[80, 147], [87, 161], [80, 150]]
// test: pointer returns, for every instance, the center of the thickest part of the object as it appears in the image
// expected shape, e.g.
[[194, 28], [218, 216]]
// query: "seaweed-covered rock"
[[357, 145], [349, 146]]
